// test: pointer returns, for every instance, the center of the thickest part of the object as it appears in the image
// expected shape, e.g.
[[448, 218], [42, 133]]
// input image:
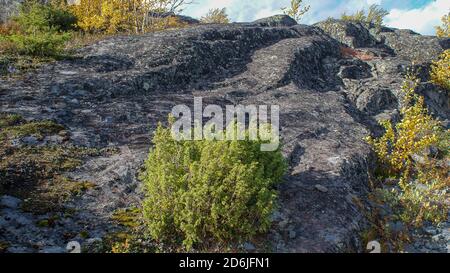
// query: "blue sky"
[[418, 15]]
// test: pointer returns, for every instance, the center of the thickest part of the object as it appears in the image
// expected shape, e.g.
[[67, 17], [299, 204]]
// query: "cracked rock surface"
[[118, 89]]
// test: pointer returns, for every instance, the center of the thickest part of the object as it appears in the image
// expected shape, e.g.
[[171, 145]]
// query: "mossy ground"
[[36, 173], [389, 207], [133, 238], [14, 126], [14, 64], [128, 217]]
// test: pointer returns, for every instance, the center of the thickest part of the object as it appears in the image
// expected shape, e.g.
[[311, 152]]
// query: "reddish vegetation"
[[9, 28], [356, 53]]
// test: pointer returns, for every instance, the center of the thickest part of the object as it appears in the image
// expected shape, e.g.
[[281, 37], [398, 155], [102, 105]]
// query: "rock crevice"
[[120, 88]]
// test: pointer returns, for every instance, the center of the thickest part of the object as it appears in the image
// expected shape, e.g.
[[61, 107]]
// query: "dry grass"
[[9, 28], [82, 39]]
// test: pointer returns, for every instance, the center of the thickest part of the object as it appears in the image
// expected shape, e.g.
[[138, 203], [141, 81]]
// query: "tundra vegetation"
[[411, 180], [130, 16], [36, 172], [216, 16], [201, 195], [372, 18], [296, 9], [440, 69], [209, 193], [41, 32], [444, 30], [410, 184]]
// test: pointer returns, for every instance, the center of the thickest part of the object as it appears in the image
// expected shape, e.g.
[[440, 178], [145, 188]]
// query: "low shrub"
[[169, 22], [61, 18], [38, 30], [440, 70], [296, 9], [41, 44], [358, 16], [134, 16], [373, 17], [412, 180], [9, 28], [413, 134], [216, 16], [444, 30], [203, 193]]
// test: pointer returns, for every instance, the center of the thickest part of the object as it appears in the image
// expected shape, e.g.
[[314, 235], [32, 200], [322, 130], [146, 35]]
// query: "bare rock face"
[[351, 34], [383, 55], [120, 88], [276, 21], [8, 8], [413, 46]]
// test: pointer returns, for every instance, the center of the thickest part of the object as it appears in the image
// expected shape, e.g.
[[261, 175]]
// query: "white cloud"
[[250, 10], [422, 20], [321, 10], [200, 8], [265, 13], [403, 15], [373, 2]]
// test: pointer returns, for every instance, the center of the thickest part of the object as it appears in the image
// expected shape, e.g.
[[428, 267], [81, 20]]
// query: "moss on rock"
[[36, 173], [128, 217]]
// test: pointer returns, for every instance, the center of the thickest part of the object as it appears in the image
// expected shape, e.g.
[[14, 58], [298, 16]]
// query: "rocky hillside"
[[8, 8], [332, 81]]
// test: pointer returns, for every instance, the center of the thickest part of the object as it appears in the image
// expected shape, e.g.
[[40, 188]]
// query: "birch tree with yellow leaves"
[[135, 16]]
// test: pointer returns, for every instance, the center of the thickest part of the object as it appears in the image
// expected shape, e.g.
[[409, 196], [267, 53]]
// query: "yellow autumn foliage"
[[216, 16], [440, 70], [132, 16], [296, 9], [414, 133], [422, 184], [444, 30], [412, 175]]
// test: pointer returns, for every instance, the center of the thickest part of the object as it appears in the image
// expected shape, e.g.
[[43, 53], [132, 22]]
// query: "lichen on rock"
[[332, 83]]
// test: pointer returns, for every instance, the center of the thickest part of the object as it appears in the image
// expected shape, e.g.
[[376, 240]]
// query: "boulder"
[[9, 202], [276, 21], [413, 46], [352, 34]]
